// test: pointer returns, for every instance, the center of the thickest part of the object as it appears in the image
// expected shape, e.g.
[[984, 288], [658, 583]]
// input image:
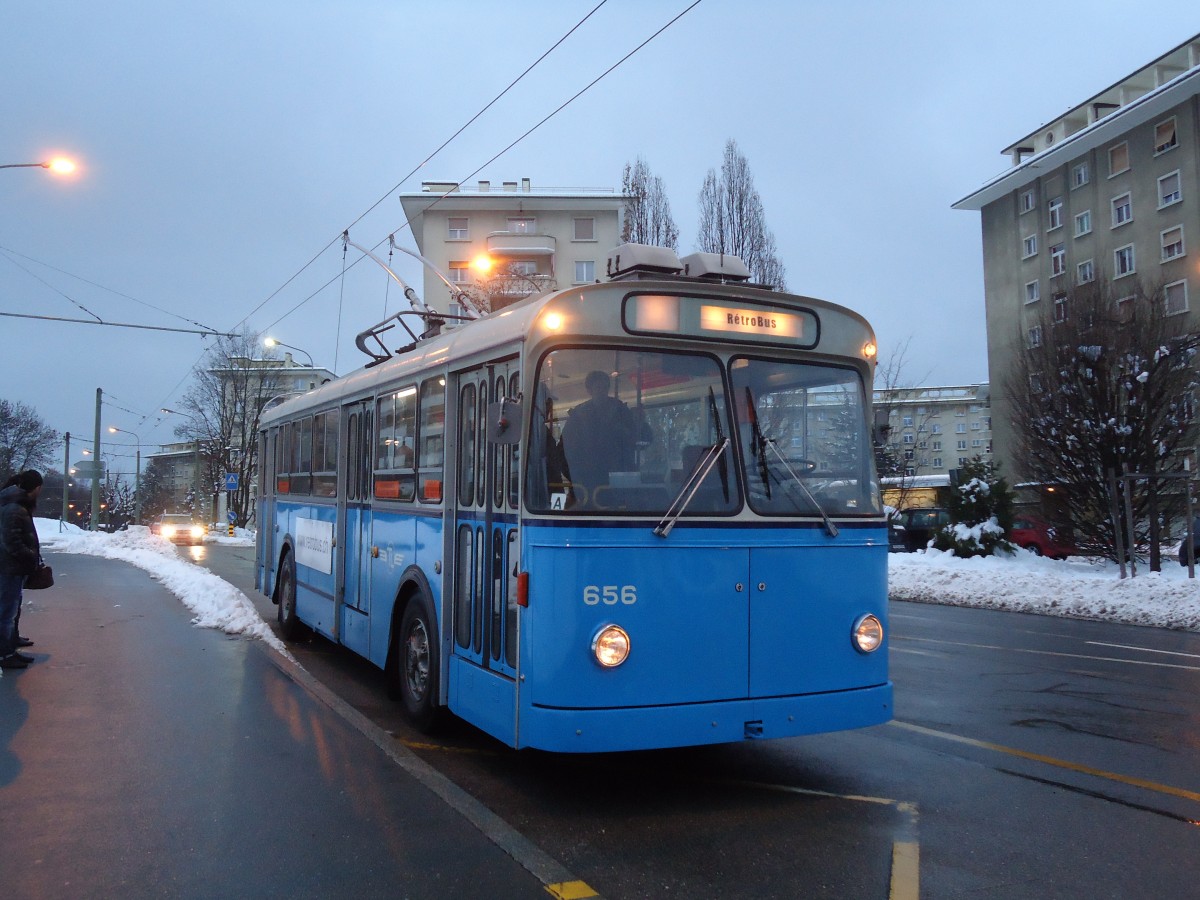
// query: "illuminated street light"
[[60, 165], [271, 342]]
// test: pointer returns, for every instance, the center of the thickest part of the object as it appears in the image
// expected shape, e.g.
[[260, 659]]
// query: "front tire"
[[416, 665], [289, 625]]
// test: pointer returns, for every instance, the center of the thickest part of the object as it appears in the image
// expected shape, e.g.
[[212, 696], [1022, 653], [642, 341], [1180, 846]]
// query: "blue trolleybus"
[[635, 514]]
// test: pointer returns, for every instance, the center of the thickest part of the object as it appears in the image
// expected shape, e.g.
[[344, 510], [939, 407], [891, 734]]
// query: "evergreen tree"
[[981, 512]]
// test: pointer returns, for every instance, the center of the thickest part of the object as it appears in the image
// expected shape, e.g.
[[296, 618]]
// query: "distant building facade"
[[933, 430], [1111, 191], [535, 239]]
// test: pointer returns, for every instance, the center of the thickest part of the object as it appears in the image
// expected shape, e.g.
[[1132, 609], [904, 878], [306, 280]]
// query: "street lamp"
[[271, 342], [137, 474], [59, 165]]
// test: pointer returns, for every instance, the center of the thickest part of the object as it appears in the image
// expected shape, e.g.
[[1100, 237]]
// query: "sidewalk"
[[142, 755]]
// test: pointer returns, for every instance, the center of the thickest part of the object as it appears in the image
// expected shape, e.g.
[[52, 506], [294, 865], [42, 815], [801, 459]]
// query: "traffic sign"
[[90, 468], [232, 517], [231, 481]]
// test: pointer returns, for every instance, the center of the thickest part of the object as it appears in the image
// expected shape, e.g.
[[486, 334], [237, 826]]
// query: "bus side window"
[[514, 453], [352, 457], [501, 456], [325, 449], [432, 437], [395, 459], [302, 471]]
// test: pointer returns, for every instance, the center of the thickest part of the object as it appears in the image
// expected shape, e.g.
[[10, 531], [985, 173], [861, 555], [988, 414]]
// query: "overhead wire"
[[417, 168], [513, 144]]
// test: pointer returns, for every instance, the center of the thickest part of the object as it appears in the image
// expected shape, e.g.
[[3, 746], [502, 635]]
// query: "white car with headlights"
[[179, 528]]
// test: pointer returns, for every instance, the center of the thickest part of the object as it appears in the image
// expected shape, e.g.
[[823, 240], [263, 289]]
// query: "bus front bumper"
[[648, 728]]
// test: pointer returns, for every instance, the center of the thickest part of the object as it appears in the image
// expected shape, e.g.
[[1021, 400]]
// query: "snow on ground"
[[216, 603], [1075, 588], [1022, 582]]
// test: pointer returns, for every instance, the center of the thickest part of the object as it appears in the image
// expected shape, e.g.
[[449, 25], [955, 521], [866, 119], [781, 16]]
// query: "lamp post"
[[59, 165], [137, 474], [271, 342]]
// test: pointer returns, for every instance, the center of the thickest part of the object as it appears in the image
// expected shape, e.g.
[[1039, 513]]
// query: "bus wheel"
[[416, 665], [289, 626]]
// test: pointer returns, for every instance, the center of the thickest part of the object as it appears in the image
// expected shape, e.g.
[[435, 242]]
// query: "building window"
[[1058, 259], [1085, 272], [1054, 214], [960, 445], [1118, 159], [1029, 247], [909, 471], [1033, 292], [460, 272], [522, 226], [1080, 175], [908, 421], [1122, 210], [1027, 201], [1125, 308], [1168, 190], [1123, 261], [585, 229], [1172, 243], [909, 454], [937, 462], [937, 445], [585, 271], [975, 426], [1176, 297], [523, 267], [1060, 308], [907, 439], [1035, 336], [976, 442], [1164, 136], [936, 429], [456, 229], [960, 428], [1083, 223]]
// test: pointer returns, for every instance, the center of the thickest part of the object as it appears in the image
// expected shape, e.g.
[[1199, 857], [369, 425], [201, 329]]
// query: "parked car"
[[1041, 537], [179, 528], [919, 525]]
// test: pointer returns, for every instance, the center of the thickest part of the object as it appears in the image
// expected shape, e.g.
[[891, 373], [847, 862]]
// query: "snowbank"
[[216, 603], [1023, 582]]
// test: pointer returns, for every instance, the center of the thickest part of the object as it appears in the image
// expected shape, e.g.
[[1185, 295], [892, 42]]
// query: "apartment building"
[[1109, 191], [500, 243], [932, 430]]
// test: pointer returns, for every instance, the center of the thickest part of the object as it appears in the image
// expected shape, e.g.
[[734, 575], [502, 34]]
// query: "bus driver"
[[600, 436]]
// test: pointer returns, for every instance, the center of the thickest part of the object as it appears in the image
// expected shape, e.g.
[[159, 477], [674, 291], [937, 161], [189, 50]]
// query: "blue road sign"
[[231, 481], [232, 517]]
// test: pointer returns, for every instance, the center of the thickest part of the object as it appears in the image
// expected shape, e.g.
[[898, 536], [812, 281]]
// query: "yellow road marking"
[[906, 866], [570, 890], [1052, 761]]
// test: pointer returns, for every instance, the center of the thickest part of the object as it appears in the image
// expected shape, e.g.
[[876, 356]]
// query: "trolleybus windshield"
[[803, 431], [619, 430]]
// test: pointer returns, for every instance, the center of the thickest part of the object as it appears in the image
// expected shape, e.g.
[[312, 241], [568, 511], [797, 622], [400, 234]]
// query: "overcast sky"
[[223, 144]]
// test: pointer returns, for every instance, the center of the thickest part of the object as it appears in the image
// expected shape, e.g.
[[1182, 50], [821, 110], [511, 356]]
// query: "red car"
[[1042, 538]]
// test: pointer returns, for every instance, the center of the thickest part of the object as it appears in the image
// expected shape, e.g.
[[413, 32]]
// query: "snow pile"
[[1023, 582], [216, 603]]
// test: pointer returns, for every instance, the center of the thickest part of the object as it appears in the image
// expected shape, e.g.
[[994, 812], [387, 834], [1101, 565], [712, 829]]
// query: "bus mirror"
[[504, 422], [882, 429]]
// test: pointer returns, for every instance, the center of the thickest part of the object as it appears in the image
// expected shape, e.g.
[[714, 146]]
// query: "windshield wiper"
[[760, 443], [695, 478]]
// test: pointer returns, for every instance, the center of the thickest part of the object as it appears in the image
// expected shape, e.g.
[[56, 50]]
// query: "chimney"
[[484, 186], [525, 185]]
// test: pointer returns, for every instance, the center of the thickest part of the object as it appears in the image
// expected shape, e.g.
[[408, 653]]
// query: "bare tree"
[[732, 219], [648, 217], [224, 404], [26, 442], [895, 396], [1101, 387]]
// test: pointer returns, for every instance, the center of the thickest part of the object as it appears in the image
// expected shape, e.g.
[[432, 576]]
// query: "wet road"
[[1030, 757], [142, 756]]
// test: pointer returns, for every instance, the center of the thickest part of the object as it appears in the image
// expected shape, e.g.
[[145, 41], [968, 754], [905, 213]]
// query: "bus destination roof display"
[[710, 317]]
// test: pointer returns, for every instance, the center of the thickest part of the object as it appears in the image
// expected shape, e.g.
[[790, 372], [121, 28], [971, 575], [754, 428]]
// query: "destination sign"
[[751, 321], [718, 319]]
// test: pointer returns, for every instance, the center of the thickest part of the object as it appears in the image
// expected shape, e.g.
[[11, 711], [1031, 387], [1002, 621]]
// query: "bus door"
[[354, 502], [486, 555]]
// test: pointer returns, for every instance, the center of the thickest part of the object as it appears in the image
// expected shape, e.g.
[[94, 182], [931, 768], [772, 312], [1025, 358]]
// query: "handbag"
[[41, 579]]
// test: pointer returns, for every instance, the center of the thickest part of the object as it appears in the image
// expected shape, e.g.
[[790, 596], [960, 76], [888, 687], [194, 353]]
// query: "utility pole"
[[66, 482], [96, 472]]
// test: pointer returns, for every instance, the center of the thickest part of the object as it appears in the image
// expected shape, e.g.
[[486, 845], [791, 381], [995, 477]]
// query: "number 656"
[[610, 594]]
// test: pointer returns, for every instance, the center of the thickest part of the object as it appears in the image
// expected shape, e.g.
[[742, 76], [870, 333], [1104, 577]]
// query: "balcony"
[[510, 243]]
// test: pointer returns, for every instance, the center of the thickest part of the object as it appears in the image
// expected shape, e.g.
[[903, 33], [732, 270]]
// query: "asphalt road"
[[1030, 757]]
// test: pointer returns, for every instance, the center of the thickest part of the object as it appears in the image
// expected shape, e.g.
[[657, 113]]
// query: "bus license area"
[[633, 431]]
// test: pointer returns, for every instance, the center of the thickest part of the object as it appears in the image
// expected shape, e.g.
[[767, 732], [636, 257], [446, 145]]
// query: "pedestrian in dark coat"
[[20, 554]]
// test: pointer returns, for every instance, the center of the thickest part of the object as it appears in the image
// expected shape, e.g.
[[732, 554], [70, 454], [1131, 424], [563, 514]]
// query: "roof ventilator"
[[633, 261], [720, 267]]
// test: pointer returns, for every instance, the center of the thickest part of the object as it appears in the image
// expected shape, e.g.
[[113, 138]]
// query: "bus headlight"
[[867, 634], [610, 646]]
